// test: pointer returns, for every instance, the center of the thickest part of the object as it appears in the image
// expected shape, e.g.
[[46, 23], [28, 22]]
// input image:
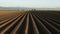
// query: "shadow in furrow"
[[30, 29], [48, 26], [9, 24], [40, 27], [51, 21], [22, 27], [9, 31]]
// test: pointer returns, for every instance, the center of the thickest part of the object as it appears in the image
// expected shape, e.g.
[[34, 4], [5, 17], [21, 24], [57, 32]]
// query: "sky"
[[30, 3]]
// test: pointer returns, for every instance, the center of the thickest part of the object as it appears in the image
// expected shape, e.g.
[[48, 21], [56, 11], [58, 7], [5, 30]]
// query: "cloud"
[[30, 3]]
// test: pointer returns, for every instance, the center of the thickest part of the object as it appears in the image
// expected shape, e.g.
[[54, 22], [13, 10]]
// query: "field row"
[[30, 22]]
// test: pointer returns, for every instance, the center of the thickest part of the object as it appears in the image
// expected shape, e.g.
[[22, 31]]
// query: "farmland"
[[29, 22]]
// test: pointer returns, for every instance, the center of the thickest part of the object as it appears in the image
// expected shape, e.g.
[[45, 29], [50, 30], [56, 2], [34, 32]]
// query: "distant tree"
[[33, 9], [18, 10]]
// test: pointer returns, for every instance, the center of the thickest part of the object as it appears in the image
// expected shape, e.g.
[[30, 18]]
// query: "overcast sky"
[[30, 3]]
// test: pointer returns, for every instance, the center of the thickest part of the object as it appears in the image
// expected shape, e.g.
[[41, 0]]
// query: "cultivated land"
[[29, 22], [2, 12]]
